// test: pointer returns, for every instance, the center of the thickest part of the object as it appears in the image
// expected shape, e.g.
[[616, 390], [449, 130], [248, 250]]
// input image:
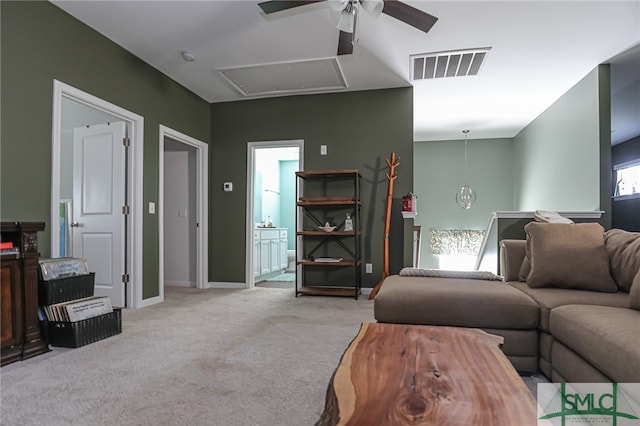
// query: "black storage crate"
[[65, 289], [80, 333]]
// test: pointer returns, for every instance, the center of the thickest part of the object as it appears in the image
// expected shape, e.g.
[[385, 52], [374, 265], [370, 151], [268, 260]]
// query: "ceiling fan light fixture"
[[347, 20], [338, 5], [373, 7]]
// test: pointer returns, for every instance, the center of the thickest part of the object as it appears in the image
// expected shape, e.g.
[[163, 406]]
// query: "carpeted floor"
[[277, 284], [287, 277], [203, 357]]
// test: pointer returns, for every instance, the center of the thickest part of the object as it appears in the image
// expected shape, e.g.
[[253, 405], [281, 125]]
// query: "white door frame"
[[135, 123], [202, 205], [251, 155]]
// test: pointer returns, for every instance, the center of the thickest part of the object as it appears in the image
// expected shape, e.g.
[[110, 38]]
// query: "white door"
[[98, 223]]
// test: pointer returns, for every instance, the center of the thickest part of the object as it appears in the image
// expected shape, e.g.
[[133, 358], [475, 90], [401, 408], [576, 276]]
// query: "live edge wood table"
[[396, 374]]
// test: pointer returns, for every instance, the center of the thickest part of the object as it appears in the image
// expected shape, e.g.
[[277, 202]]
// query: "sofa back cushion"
[[634, 294], [568, 256], [624, 256]]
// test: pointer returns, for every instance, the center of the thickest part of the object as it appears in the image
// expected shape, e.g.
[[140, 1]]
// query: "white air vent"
[[458, 63], [286, 77]]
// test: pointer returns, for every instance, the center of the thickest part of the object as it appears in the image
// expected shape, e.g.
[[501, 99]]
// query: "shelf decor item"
[[327, 227], [348, 223]]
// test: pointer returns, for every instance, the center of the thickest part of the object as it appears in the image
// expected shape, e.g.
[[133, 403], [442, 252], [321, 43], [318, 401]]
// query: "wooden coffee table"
[[396, 374]]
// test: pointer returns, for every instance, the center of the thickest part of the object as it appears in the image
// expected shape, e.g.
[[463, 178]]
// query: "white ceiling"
[[539, 49]]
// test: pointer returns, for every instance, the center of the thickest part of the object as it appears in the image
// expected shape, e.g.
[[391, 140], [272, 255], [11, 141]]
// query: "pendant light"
[[465, 195]]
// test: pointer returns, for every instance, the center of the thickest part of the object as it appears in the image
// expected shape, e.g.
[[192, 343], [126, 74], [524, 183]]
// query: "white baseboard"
[[219, 284], [150, 301], [366, 291], [180, 283]]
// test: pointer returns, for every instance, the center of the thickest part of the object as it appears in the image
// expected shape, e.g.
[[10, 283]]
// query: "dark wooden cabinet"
[[21, 334]]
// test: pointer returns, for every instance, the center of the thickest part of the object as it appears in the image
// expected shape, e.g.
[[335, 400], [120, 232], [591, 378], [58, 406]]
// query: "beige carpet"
[[204, 357]]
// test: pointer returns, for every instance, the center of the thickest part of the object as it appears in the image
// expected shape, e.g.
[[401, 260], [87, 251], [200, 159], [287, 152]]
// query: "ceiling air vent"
[[457, 63]]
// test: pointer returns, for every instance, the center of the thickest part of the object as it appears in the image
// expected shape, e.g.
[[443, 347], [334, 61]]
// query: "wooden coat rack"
[[392, 163]]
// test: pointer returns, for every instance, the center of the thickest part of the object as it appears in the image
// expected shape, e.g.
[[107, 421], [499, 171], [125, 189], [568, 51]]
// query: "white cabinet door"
[[282, 250], [265, 265], [273, 255]]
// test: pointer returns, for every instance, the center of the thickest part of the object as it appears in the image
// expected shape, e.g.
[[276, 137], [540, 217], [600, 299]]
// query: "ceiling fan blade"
[[345, 43], [409, 15], [280, 5]]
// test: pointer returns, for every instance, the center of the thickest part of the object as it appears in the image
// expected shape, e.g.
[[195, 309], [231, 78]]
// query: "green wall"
[[562, 159], [361, 129], [439, 173], [40, 43]]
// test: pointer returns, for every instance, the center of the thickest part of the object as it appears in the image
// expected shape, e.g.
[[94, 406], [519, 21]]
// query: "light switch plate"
[[323, 150], [152, 207]]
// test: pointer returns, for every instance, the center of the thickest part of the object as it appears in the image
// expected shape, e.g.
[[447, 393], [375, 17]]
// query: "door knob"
[[74, 224]]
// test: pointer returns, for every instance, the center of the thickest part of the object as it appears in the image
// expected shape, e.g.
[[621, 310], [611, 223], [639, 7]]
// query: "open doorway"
[[119, 258], [271, 211], [183, 210]]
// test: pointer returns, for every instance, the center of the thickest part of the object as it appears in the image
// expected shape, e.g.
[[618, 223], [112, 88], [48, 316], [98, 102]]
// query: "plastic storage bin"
[[66, 289], [80, 333]]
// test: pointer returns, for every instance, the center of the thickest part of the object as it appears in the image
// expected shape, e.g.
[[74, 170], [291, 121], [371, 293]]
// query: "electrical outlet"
[[368, 268]]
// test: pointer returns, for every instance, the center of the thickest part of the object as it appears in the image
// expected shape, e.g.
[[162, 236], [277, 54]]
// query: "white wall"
[[179, 210]]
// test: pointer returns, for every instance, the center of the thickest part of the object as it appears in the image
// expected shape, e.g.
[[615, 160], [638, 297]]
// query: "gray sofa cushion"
[[568, 256], [634, 294], [454, 302], [615, 351], [549, 298], [624, 256]]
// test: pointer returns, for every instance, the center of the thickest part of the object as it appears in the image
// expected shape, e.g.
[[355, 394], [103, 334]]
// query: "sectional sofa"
[[567, 303]]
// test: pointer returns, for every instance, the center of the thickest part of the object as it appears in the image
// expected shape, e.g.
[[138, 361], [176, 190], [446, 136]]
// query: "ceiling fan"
[[349, 15]]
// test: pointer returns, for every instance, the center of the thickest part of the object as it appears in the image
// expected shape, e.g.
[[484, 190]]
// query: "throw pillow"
[[568, 256], [624, 256]]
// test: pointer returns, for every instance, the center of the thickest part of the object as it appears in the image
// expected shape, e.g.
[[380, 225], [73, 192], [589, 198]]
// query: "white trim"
[[220, 284], [135, 123], [180, 283], [570, 214], [626, 197], [150, 301], [250, 223], [365, 291], [202, 205]]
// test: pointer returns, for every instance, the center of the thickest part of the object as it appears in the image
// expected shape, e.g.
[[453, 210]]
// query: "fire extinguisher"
[[407, 202]]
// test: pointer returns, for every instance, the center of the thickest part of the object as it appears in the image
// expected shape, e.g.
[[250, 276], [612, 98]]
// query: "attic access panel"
[[286, 77]]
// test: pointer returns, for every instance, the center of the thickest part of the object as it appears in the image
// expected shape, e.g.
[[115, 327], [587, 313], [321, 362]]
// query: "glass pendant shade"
[[373, 7], [465, 197], [347, 20]]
